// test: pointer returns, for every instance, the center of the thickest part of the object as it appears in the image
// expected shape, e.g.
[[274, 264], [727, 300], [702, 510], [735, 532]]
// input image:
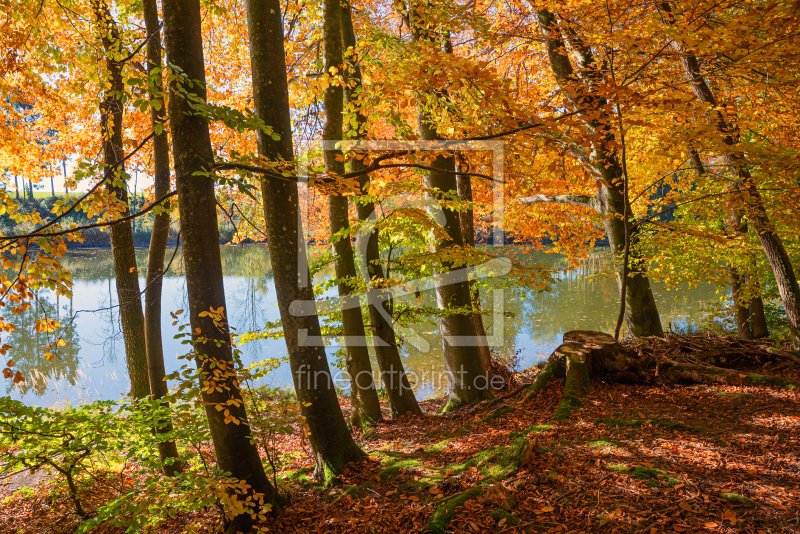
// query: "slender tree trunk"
[[64, 168], [16, 186], [330, 439], [741, 309], [122, 249], [641, 313], [366, 405], [468, 379], [464, 186], [757, 318], [777, 256], [158, 238], [192, 152], [30, 188], [52, 183], [393, 374]]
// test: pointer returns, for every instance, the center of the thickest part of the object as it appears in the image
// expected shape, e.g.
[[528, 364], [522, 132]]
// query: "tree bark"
[[192, 152], [771, 242], [393, 374], [158, 238], [641, 313], [330, 439], [366, 407], [469, 382], [737, 224], [464, 188], [122, 248]]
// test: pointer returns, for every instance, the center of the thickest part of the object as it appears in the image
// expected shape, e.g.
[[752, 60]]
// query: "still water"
[[92, 364]]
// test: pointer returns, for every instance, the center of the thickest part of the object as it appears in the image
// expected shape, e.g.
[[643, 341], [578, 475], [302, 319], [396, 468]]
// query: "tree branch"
[[574, 200]]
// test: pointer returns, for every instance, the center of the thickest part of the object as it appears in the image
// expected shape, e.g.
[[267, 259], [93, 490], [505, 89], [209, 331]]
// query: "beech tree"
[[122, 247], [366, 406], [330, 439], [193, 157], [160, 233]]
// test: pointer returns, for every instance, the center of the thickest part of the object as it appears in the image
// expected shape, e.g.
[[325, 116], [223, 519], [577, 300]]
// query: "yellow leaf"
[[49, 356]]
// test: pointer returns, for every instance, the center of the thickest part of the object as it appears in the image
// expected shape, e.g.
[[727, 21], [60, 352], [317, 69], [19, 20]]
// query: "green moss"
[[735, 498], [498, 413], [445, 510], [734, 395], [542, 379], [652, 476], [499, 514], [575, 388], [603, 444], [770, 381], [451, 405], [438, 447], [637, 423], [535, 428]]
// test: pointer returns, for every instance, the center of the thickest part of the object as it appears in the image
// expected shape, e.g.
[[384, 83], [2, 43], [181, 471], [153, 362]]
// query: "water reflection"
[[92, 365]]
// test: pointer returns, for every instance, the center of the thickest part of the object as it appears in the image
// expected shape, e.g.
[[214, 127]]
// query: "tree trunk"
[[192, 152], [464, 187], [641, 313], [330, 439], [770, 240], [122, 248], [469, 382], [158, 239], [758, 320], [393, 374], [741, 311], [16, 186], [366, 405]]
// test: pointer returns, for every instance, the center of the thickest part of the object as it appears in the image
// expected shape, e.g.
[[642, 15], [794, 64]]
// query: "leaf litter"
[[633, 459]]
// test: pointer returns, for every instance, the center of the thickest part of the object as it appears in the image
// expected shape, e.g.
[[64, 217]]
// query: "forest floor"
[[634, 459]]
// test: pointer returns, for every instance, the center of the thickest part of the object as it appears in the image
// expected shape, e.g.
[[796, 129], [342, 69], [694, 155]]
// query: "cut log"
[[684, 373]]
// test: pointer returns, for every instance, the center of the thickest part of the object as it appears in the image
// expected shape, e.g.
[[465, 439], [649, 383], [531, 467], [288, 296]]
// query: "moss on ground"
[[446, 508], [535, 428], [734, 395], [637, 423], [652, 476], [770, 381], [499, 514], [604, 444], [735, 498], [498, 413], [437, 447]]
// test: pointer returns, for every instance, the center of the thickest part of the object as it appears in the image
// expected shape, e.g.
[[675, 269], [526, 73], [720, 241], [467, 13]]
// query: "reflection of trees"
[[28, 349]]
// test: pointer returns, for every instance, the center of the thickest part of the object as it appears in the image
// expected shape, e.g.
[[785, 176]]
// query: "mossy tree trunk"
[[366, 406], [192, 153], [126, 273], [393, 374], [330, 438]]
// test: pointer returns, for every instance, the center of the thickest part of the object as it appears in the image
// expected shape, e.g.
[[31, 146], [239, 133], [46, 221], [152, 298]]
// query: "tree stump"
[[585, 354]]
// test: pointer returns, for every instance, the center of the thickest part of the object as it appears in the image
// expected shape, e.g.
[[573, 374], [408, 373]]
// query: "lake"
[[92, 364]]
